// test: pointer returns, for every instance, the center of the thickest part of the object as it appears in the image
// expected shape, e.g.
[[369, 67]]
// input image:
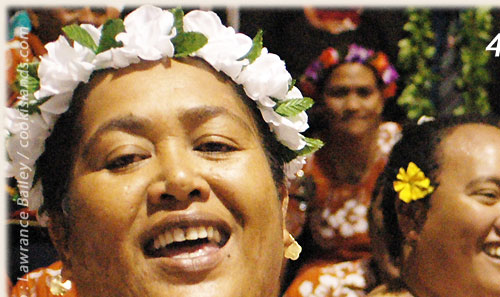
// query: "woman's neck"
[[414, 283], [346, 158]]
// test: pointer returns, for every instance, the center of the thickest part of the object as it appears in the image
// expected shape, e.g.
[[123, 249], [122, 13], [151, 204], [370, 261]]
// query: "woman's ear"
[[59, 234], [411, 218]]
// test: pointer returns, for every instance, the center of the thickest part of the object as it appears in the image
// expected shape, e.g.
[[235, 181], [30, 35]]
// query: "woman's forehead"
[[471, 145], [163, 89]]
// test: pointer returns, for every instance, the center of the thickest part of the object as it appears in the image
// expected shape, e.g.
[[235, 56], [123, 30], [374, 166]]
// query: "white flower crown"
[[148, 33]]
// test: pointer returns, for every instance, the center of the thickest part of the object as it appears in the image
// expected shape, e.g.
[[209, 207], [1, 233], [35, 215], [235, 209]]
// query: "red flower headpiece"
[[317, 71]]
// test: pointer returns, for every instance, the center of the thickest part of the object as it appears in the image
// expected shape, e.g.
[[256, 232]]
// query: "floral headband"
[[149, 33], [412, 184], [316, 71]]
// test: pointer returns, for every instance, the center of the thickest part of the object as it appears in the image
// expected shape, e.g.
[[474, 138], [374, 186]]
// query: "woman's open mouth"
[[190, 242], [493, 250], [190, 245]]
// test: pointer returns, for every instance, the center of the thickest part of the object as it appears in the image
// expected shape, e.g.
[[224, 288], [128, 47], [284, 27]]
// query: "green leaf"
[[78, 34], [292, 84], [109, 31], [312, 145], [186, 43], [178, 19], [292, 107], [256, 49], [16, 195]]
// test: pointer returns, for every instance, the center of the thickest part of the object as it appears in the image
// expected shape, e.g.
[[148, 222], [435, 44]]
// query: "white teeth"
[[191, 233], [202, 232], [493, 250], [179, 235], [217, 236], [169, 237], [163, 241]]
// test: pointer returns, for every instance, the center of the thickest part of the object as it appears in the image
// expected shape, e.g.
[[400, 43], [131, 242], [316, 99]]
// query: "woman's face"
[[171, 193], [458, 250], [353, 98], [49, 22]]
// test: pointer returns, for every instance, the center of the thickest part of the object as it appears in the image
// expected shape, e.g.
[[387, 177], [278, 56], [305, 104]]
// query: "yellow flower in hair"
[[412, 184]]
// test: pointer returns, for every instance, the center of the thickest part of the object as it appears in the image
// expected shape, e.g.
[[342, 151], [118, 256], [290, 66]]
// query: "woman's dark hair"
[[420, 144], [56, 163]]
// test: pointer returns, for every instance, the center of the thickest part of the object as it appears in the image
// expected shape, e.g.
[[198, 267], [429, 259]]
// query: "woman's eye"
[[215, 147], [337, 92], [124, 161], [364, 91], [488, 196]]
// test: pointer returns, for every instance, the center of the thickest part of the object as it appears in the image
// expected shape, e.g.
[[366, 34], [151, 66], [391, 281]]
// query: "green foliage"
[[29, 82], [312, 145], [292, 107], [292, 84], [473, 38], [186, 43], [109, 31], [78, 34], [256, 49], [415, 57], [178, 19], [417, 51]]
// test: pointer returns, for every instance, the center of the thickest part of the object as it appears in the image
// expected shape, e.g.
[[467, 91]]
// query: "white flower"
[[292, 167], [346, 230], [330, 281], [224, 46], [63, 68], [361, 226], [94, 32], [306, 288], [35, 199], [119, 57], [287, 130], [51, 109], [388, 134], [265, 77], [345, 292], [10, 120], [148, 31]]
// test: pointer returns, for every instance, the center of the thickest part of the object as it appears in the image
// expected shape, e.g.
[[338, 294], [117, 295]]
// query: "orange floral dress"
[[338, 227], [42, 282]]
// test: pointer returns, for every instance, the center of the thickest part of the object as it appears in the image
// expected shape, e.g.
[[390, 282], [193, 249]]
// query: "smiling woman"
[[166, 177], [444, 232]]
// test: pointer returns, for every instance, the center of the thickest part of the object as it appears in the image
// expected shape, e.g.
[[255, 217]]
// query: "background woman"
[[165, 174], [351, 86], [440, 208]]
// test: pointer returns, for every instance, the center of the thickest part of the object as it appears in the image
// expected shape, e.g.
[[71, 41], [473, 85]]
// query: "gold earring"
[[58, 287], [292, 252]]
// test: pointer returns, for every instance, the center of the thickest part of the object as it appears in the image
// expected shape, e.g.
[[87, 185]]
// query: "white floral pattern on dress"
[[345, 279], [346, 221]]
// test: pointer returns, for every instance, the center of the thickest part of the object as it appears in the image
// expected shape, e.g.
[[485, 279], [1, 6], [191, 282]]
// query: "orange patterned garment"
[[346, 279], [40, 283], [337, 223]]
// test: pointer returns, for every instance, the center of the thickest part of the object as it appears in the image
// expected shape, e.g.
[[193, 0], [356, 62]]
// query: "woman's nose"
[[352, 101], [179, 178]]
